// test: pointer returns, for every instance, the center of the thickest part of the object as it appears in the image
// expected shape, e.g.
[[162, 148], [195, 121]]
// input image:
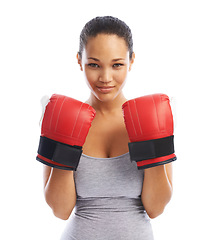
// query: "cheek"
[[121, 76], [91, 76]]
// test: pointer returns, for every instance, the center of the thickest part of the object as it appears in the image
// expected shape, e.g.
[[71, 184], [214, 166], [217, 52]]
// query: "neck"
[[107, 106]]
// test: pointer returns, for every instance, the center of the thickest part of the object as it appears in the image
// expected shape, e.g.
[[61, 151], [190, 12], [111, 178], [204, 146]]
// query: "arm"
[[149, 122], [59, 191], [65, 125], [157, 189]]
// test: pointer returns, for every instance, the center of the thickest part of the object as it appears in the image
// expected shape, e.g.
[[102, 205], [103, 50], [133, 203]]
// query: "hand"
[[149, 123], [65, 125]]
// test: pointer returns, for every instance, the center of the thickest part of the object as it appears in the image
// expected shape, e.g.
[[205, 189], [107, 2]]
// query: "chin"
[[105, 98]]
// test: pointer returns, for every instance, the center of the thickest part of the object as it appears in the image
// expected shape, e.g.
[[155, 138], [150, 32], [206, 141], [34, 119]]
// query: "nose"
[[105, 76]]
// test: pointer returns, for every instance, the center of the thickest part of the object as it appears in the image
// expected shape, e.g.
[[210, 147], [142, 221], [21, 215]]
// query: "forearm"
[[60, 192], [157, 190]]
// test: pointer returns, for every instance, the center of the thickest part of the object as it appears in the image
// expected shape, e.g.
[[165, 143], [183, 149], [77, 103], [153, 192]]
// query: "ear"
[[132, 61], [79, 61]]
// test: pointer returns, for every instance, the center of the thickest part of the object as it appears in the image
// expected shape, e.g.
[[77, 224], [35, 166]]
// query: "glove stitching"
[[59, 113], [137, 115]]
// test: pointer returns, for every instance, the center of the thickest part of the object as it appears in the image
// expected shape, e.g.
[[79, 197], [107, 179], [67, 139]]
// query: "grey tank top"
[[108, 205]]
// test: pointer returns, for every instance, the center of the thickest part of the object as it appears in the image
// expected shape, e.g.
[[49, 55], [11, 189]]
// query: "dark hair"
[[107, 25]]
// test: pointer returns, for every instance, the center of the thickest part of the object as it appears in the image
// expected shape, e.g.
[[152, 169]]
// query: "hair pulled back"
[[107, 25]]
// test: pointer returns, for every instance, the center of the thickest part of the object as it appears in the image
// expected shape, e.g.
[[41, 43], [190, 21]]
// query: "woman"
[[112, 198]]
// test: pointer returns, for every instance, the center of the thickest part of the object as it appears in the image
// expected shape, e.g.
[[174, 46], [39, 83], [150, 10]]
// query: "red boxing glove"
[[149, 123], [65, 125]]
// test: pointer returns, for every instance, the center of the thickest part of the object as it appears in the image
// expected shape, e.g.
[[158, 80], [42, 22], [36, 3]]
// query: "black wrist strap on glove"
[[59, 152], [151, 149]]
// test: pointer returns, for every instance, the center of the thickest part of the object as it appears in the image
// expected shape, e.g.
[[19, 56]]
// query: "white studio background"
[[178, 52]]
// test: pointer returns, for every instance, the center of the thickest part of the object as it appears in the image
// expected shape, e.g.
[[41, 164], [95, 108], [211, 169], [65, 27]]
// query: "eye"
[[93, 65], [117, 65]]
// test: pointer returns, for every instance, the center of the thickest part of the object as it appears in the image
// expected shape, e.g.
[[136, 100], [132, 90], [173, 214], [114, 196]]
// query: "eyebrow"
[[114, 60], [118, 59], [95, 59]]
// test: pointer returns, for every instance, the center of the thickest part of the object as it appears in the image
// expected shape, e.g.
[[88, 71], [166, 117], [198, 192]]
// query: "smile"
[[105, 89]]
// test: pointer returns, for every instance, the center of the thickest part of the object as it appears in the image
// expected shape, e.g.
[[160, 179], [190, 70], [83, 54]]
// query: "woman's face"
[[105, 63]]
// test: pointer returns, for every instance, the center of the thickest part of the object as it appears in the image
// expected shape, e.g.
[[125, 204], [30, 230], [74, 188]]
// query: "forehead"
[[106, 45]]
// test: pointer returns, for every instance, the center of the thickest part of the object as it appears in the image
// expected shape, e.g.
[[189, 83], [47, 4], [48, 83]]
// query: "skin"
[[105, 63]]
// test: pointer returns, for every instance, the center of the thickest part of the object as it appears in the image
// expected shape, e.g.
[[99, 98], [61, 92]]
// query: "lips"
[[105, 89]]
